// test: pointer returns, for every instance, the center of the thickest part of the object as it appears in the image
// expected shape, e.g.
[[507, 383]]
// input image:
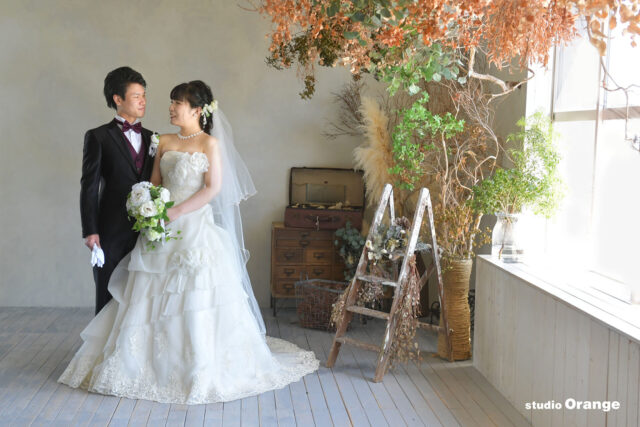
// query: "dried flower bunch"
[[370, 295], [404, 346], [378, 35], [388, 241]]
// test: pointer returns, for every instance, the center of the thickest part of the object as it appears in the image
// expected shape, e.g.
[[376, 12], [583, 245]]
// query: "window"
[[598, 224]]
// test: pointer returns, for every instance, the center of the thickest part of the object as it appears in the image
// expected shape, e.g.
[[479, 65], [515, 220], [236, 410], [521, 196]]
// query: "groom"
[[115, 157]]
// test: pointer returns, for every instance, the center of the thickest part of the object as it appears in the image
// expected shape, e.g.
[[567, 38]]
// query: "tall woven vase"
[[456, 293]]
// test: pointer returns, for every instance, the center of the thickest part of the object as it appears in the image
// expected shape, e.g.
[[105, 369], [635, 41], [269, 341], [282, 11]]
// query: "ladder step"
[[368, 312], [430, 327], [357, 343], [377, 279], [396, 255]]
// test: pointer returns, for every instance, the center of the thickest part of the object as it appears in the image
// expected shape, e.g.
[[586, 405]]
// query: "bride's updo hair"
[[198, 94]]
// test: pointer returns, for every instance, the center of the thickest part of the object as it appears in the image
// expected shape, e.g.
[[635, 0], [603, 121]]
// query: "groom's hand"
[[91, 239]]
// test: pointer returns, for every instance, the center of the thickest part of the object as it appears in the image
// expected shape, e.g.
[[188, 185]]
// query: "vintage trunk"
[[325, 198]]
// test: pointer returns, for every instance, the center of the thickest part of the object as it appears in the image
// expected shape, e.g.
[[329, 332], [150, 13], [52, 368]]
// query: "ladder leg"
[[383, 358], [344, 322], [355, 284], [436, 263], [385, 351]]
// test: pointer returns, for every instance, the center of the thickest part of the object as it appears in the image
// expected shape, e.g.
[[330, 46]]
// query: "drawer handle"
[[304, 234], [289, 271], [304, 243], [318, 271], [318, 255], [289, 255], [287, 286], [318, 219]]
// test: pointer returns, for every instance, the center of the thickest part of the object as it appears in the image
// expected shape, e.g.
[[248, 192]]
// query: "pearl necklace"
[[189, 136]]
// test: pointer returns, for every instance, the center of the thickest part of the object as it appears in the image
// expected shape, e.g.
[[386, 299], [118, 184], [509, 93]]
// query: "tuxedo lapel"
[[120, 142], [148, 160]]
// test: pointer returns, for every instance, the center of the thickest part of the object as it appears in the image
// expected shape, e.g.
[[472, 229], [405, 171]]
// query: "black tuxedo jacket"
[[108, 173]]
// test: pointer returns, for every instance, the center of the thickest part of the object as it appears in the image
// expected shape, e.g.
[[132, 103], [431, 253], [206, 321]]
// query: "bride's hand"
[[172, 213]]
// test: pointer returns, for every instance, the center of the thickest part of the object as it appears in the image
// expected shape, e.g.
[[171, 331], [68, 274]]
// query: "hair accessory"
[[208, 110]]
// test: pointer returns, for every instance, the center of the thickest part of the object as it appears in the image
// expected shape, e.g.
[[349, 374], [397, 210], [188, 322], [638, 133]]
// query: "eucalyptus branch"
[[506, 86]]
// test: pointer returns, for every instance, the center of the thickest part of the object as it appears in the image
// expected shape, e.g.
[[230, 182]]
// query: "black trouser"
[[113, 254]]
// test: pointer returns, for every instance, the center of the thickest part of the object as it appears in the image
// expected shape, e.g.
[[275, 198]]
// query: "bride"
[[184, 325]]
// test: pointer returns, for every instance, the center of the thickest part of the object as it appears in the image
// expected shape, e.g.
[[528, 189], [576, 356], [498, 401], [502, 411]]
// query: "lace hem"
[[196, 388]]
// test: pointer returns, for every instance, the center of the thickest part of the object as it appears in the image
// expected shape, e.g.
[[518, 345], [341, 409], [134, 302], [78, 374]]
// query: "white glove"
[[97, 256]]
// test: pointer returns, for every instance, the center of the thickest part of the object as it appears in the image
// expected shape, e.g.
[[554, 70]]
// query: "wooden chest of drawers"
[[300, 254]]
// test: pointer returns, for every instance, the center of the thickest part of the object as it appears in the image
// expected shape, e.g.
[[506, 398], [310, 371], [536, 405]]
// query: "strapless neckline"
[[184, 152], [183, 173]]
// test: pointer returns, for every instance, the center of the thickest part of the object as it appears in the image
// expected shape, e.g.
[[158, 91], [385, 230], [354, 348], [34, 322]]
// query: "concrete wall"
[[55, 55]]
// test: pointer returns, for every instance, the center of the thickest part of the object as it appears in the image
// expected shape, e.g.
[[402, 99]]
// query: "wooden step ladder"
[[360, 277]]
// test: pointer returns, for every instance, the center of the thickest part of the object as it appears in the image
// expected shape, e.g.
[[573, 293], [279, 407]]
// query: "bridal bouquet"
[[148, 205]]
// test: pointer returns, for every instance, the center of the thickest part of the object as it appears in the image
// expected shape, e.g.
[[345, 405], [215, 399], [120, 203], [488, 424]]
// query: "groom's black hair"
[[117, 81]]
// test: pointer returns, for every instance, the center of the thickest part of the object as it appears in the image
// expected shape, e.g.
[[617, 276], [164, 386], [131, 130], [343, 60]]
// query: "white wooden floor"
[[37, 343]]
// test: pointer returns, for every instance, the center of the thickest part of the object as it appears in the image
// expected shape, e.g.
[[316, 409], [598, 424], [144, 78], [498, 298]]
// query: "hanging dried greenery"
[[404, 346], [388, 37]]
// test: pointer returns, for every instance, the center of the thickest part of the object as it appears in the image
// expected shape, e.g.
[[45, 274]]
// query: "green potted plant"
[[349, 242], [533, 182]]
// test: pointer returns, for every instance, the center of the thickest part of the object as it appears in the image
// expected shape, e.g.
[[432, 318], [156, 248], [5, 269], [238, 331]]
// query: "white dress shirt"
[[134, 138]]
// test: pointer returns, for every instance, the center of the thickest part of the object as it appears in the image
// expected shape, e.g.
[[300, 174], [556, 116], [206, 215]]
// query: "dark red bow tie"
[[126, 126]]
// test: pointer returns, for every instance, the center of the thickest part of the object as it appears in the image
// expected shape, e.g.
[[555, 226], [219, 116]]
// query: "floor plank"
[[213, 414], [44, 395], [375, 335], [317, 401], [250, 412], [382, 396], [36, 344], [177, 415], [159, 414], [514, 417], [352, 403], [195, 416], [231, 414], [141, 412], [299, 399], [89, 406]]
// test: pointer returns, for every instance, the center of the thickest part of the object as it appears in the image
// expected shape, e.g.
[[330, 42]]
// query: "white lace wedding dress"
[[179, 328]]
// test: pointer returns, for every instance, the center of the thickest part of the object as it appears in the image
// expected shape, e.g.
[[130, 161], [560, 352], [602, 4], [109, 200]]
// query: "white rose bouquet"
[[148, 205]]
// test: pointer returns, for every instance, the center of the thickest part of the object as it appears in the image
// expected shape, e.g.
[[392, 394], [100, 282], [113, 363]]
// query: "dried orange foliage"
[[510, 28]]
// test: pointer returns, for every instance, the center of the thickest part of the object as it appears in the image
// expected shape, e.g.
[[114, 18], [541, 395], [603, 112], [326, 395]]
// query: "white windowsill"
[[613, 312]]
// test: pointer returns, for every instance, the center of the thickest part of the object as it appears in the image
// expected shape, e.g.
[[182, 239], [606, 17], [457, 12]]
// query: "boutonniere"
[[155, 141]]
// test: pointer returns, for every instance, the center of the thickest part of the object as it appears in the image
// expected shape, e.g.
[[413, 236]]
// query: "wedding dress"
[[179, 328]]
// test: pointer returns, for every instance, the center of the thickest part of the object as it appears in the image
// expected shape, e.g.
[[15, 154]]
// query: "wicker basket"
[[314, 302]]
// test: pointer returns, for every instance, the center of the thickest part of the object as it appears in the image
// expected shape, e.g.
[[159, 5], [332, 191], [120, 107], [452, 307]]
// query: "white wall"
[[55, 55]]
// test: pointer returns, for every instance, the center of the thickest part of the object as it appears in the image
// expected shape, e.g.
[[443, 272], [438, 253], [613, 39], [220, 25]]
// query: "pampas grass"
[[374, 155]]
